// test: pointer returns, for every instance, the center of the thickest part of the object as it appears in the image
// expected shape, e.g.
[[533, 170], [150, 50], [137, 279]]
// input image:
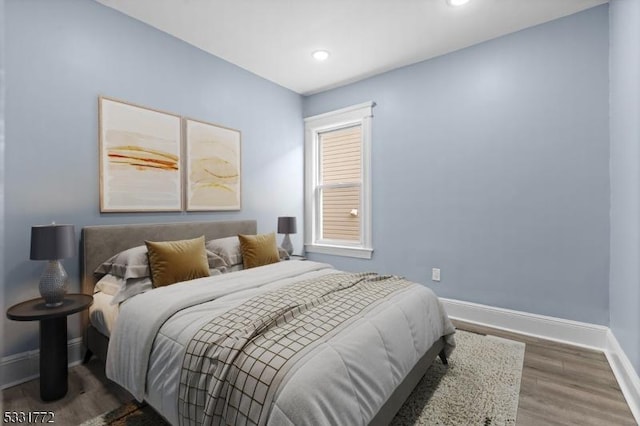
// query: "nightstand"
[[297, 257], [53, 339]]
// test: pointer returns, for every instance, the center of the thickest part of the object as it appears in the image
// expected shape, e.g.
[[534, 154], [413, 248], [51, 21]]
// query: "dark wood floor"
[[561, 385]]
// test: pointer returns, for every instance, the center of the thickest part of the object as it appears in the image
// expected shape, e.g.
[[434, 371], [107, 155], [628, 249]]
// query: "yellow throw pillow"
[[174, 261], [258, 250]]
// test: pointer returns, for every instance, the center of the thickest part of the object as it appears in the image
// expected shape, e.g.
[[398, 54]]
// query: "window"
[[338, 182]]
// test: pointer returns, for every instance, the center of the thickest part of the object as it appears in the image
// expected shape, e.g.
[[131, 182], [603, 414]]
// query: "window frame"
[[361, 115]]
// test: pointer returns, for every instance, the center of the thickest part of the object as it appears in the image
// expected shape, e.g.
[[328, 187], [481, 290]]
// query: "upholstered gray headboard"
[[101, 242]]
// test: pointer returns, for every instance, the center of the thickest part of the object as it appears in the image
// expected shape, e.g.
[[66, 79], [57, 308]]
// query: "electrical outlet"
[[435, 274]]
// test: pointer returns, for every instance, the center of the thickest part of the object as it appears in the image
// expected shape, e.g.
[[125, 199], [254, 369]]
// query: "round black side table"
[[53, 339]]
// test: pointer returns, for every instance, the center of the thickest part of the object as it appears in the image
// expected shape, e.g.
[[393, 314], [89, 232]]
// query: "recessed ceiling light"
[[457, 2], [320, 55]]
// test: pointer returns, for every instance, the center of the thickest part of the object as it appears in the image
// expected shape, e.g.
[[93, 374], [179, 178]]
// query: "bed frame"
[[101, 242]]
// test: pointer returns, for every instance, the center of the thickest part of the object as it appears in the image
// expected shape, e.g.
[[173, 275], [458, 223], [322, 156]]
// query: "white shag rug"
[[480, 386]]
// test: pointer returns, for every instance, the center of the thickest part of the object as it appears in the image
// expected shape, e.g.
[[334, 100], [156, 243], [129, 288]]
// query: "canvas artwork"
[[212, 166], [140, 155]]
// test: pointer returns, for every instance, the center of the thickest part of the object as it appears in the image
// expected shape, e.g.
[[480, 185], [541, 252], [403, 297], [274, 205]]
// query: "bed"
[[358, 372]]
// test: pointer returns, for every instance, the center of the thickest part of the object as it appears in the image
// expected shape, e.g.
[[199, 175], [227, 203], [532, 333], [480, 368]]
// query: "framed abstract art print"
[[212, 162], [140, 158]]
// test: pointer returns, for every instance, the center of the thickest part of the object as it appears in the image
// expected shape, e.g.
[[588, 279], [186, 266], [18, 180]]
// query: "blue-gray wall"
[[625, 176], [492, 163], [60, 55]]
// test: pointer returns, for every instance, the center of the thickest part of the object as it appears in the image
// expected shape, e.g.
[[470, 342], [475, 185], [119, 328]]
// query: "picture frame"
[[140, 158], [213, 175]]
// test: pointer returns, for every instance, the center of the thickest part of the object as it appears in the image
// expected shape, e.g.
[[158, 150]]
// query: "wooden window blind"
[[341, 183]]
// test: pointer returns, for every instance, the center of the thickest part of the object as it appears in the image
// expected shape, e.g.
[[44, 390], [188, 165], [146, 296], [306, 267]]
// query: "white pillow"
[[122, 289], [109, 284], [235, 268], [131, 287], [227, 248]]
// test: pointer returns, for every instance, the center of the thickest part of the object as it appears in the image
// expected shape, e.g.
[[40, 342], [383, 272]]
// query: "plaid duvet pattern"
[[234, 364]]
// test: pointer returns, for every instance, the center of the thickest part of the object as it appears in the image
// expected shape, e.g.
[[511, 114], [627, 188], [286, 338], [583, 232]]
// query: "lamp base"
[[53, 284], [286, 244]]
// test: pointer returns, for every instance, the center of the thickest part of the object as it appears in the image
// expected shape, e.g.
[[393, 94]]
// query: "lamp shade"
[[52, 242], [286, 225]]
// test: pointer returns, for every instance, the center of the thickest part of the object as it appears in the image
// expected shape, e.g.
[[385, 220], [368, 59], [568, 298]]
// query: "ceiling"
[[275, 38]]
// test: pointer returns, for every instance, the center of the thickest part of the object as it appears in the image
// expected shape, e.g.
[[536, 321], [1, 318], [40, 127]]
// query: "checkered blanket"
[[234, 364]]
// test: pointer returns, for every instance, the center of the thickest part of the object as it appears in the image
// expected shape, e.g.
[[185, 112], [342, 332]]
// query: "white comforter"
[[340, 382]]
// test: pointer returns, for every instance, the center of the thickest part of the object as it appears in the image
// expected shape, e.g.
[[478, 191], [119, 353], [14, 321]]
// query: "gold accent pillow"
[[258, 250], [174, 261]]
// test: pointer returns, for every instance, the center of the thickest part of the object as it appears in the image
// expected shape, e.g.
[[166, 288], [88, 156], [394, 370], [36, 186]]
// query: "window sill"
[[359, 252]]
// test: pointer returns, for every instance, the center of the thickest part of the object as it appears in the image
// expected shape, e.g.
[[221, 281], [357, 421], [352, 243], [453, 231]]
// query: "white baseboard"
[[576, 333], [25, 366], [625, 374]]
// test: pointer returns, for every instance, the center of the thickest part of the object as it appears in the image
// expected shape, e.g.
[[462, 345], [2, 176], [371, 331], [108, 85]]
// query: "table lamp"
[[53, 242], [287, 225]]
